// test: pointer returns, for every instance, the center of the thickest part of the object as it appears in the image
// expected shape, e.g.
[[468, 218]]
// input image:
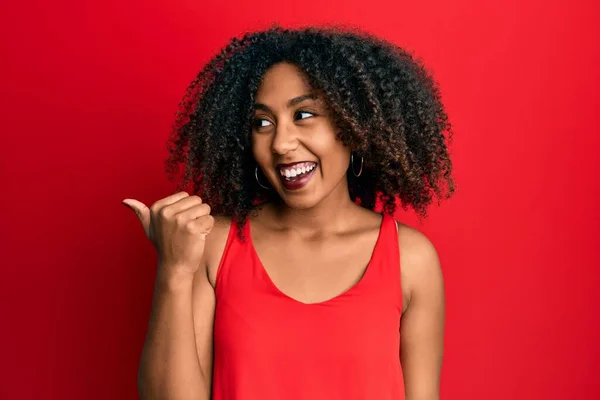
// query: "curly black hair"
[[385, 103]]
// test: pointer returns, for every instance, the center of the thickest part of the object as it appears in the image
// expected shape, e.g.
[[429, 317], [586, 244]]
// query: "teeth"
[[299, 170]]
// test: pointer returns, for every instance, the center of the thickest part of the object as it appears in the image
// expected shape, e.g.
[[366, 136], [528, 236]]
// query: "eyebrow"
[[290, 103]]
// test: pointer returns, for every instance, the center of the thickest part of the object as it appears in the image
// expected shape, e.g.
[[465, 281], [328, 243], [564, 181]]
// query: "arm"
[[422, 323], [175, 362]]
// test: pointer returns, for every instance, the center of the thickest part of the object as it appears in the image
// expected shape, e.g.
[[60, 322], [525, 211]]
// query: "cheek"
[[261, 148], [334, 156], [324, 141]]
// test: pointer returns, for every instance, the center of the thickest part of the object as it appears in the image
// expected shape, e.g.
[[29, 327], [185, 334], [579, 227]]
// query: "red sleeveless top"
[[268, 346]]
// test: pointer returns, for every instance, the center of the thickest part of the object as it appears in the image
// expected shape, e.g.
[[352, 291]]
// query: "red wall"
[[88, 95]]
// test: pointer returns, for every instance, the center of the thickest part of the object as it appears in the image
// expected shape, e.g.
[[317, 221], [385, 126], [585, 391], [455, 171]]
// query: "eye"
[[260, 123], [305, 113]]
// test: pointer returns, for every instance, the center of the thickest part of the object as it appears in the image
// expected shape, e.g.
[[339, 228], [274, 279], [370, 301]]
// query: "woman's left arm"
[[422, 323]]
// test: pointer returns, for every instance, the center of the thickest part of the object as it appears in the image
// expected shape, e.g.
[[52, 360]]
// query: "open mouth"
[[295, 176], [297, 171]]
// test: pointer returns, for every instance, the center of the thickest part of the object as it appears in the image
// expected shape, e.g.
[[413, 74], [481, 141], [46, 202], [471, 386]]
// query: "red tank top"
[[268, 346]]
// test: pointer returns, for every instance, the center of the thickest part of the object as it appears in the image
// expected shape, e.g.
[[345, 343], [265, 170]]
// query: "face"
[[294, 140]]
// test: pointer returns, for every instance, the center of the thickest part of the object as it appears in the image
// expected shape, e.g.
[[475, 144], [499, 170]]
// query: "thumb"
[[142, 212]]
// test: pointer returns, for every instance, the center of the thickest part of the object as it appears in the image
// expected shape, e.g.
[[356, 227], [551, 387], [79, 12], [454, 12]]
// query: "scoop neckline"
[[346, 292]]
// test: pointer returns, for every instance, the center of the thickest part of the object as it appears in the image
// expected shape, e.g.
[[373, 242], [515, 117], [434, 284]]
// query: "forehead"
[[281, 82]]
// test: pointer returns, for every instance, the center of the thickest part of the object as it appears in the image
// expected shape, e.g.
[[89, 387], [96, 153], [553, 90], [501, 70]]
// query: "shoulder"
[[417, 248], [215, 245], [419, 262]]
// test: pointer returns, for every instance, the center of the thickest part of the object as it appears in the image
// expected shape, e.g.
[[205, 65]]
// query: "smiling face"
[[294, 140]]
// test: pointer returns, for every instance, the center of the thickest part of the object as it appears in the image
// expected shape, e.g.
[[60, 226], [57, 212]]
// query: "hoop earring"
[[352, 165], [258, 180]]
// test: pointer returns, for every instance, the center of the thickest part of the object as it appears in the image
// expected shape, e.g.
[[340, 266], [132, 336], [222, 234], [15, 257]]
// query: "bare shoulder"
[[422, 321], [215, 246], [419, 262]]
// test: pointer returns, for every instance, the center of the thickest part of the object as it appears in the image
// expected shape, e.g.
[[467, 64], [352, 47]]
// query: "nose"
[[285, 139]]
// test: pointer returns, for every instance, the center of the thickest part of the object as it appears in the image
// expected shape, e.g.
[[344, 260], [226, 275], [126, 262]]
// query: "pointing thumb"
[[142, 212]]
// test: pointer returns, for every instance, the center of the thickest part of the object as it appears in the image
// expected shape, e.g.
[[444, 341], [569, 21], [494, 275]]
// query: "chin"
[[299, 201]]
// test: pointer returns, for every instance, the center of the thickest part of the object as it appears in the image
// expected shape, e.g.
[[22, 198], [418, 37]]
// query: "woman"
[[281, 281]]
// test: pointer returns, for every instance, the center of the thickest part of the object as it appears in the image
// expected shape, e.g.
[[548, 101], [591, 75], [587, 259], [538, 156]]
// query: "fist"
[[177, 226]]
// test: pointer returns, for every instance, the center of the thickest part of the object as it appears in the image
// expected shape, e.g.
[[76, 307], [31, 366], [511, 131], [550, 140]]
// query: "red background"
[[89, 91]]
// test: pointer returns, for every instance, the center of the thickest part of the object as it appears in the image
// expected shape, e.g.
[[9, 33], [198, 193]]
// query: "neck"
[[332, 214]]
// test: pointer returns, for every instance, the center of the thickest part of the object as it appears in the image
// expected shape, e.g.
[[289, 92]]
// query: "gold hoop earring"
[[258, 180], [352, 165]]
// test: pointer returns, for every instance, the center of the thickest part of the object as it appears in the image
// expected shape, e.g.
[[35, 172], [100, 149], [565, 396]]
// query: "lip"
[[279, 166], [299, 183]]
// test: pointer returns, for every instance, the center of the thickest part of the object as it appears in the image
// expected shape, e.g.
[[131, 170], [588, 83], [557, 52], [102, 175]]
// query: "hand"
[[177, 226]]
